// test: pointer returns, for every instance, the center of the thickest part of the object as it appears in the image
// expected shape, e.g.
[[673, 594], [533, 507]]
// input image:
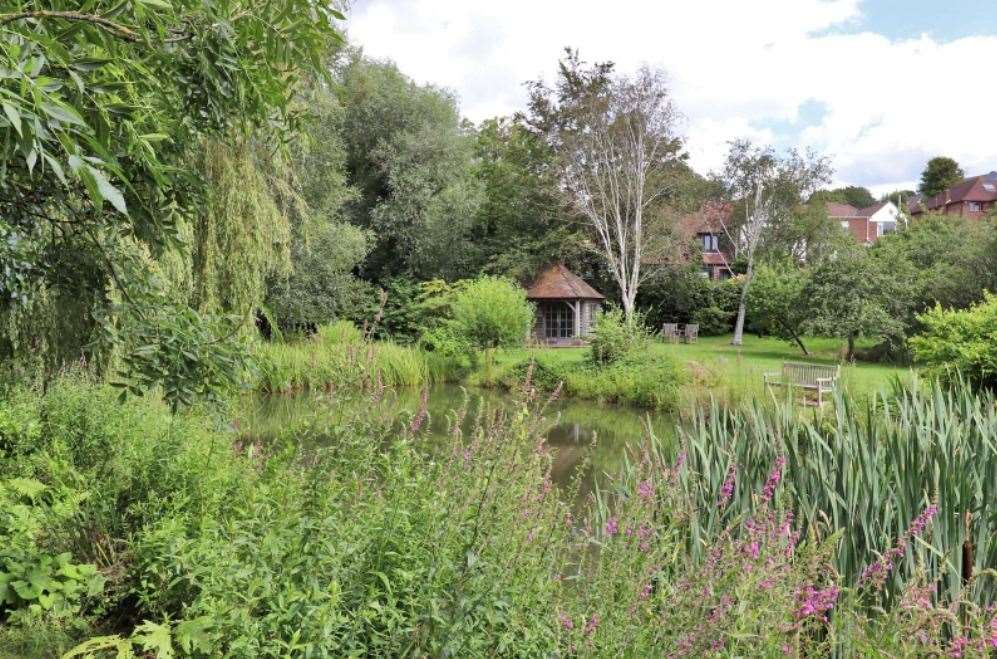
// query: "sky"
[[879, 86]]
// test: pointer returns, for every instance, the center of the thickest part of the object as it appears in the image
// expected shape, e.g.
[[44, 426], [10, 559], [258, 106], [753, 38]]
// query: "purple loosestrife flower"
[[774, 477], [816, 602], [612, 526], [878, 571], [727, 489], [592, 625], [567, 624], [645, 490]]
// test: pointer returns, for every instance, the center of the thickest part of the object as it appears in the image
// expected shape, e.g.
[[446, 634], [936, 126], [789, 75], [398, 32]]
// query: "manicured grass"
[[732, 373]]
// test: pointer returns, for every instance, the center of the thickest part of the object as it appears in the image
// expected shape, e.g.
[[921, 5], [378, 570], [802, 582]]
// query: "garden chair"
[[819, 379], [691, 333], [670, 332]]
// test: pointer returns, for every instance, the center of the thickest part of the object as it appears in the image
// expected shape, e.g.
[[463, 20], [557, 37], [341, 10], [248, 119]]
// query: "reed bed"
[[869, 471], [338, 357]]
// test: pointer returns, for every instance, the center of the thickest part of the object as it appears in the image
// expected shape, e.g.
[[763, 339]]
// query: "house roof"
[[976, 188], [869, 211], [841, 211], [558, 283], [709, 218]]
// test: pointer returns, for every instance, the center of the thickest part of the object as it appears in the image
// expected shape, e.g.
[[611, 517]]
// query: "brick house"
[[973, 198], [866, 225], [707, 227]]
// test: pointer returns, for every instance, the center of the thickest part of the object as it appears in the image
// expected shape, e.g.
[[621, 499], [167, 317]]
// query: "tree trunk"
[[850, 357], [742, 307]]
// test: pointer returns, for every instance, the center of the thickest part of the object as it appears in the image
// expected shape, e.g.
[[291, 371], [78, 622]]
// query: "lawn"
[[730, 372]]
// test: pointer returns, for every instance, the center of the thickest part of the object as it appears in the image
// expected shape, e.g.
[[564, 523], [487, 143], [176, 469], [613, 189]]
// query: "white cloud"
[[738, 68]]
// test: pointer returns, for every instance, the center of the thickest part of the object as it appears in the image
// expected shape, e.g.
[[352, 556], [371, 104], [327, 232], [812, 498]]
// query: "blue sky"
[[879, 86], [942, 19]]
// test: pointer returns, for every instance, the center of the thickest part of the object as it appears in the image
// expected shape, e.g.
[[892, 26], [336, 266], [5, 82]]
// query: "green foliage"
[[778, 303], [338, 357], [365, 542], [35, 582], [939, 174], [853, 195], [850, 295], [107, 109], [410, 160], [870, 473], [520, 225], [685, 296], [491, 312], [634, 379], [615, 337], [939, 260], [955, 342]]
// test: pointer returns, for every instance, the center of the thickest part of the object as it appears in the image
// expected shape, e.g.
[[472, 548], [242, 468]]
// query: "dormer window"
[[711, 242]]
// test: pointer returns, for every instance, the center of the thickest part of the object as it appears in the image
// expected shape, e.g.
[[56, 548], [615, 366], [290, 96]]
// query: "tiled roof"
[[836, 210], [976, 188], [710, 218], [559, 283], [869, 211]]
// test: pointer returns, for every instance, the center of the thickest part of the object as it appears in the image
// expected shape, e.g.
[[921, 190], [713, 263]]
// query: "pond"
[[582, 432]]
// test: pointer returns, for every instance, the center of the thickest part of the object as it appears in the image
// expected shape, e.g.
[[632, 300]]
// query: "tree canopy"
[[940, 174], [108, 109]]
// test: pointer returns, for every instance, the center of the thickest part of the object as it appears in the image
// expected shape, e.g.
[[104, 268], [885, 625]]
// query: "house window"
[[974, 206], [706, 272], [559, 321], [844, 224], [711, 242], [883, 228]]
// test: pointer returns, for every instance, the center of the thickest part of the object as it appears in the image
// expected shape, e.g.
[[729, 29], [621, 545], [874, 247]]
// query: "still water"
[[586, 434]]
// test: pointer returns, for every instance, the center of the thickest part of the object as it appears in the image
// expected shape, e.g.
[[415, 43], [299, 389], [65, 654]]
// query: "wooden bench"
[[670, 332], [818, 378], [691, 333]]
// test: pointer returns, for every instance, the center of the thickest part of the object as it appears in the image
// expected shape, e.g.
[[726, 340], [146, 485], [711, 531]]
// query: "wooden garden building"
[[566, 307]]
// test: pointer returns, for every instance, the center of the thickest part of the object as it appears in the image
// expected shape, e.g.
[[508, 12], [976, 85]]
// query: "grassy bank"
[[337, 357], [710, 368], [148, 533]]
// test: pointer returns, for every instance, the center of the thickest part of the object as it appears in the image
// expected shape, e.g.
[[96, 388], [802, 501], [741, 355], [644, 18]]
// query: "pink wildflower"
[[816, 601], [958, 646], [592, 625], [753, 551], [612, 526], [645, 490], [878, 571], [727, 489], [567, 624], [645, 592], [774, 477]]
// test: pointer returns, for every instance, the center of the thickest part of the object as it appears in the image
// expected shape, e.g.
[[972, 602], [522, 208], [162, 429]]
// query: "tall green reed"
[[868, 470]]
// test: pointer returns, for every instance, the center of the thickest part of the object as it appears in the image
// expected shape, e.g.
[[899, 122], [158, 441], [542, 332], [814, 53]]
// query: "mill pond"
[[587, 438]]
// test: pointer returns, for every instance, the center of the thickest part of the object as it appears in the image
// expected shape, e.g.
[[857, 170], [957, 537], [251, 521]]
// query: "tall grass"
[[338, 357], [367, 545], [868, 471]]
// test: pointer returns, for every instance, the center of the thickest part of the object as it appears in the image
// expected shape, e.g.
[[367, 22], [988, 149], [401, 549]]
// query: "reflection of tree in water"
[[581, 432]]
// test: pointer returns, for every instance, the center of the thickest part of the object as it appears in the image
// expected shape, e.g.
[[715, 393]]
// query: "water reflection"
[[581, 433]]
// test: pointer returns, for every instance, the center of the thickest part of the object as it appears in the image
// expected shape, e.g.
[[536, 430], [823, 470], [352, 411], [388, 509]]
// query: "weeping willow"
[[242, 237]]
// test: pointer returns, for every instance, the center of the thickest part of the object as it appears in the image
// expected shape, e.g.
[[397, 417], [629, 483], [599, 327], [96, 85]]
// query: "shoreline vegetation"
[[661, 376], [191, 531]]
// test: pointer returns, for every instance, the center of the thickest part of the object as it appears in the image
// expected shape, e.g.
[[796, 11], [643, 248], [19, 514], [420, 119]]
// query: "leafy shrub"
[[713, 321], [960, 341], [33, 580], [614, 336], [491, 312]]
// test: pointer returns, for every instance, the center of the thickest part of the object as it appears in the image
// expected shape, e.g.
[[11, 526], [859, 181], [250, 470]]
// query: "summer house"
[[566, 306]]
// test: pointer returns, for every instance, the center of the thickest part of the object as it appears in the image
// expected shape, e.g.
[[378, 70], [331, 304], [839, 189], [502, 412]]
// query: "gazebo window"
[[559, 321]]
